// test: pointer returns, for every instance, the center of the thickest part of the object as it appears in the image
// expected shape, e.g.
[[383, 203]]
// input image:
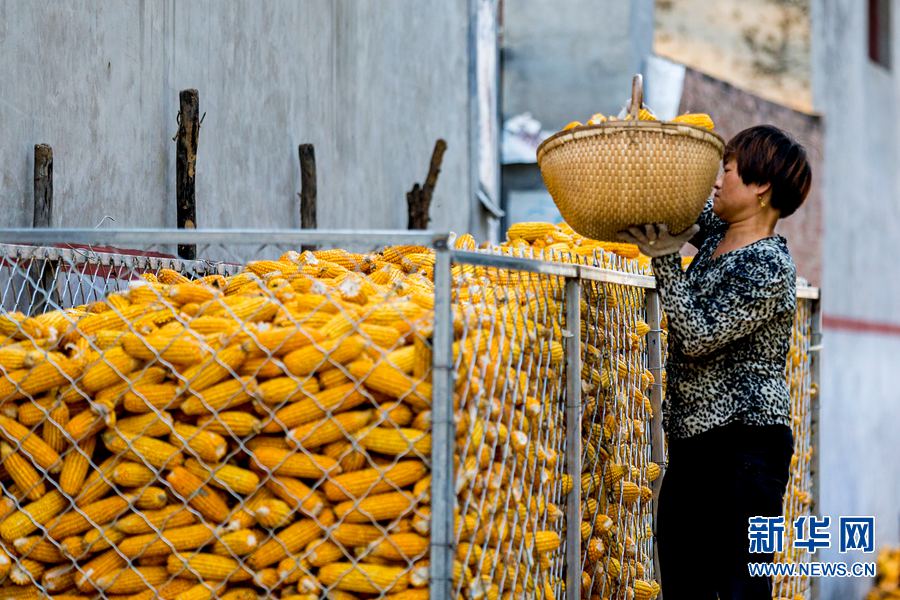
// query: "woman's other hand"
[[654, 239]]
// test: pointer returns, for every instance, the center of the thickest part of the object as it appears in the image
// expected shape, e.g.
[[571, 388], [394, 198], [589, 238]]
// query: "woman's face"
[[733, 199]]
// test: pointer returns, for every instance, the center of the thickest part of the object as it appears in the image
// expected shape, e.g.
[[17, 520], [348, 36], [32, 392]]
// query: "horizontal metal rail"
[[116, 258], [240, 237]]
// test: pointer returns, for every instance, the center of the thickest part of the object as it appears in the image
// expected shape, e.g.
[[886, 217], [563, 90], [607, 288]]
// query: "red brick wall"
[[734, 109]]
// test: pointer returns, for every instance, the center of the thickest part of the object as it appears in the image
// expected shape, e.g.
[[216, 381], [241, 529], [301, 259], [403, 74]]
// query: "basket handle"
[[637, 96]]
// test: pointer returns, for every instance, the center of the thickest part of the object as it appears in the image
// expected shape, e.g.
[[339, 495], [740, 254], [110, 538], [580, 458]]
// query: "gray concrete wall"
[[372, 84], [861, 192], [567, 59]]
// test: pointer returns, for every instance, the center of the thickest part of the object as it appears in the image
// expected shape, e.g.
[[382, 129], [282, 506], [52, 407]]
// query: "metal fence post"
[[573, 437], [815, 348], [443, 499], [657, 439]]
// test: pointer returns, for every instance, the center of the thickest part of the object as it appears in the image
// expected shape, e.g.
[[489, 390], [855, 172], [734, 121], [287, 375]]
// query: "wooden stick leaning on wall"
[[41, 280], [308, 189], [186, 166], [418, 199]]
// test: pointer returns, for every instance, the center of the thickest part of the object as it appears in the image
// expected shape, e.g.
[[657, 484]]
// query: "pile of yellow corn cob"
[[798, 498], [616, 471], [233, 437], [887, 580]]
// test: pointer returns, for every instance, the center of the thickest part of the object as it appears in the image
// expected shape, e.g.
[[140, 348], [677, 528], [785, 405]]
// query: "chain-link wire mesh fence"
[[393, 421]]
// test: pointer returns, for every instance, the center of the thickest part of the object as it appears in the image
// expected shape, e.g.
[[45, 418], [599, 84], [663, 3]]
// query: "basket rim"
[[591, 131]]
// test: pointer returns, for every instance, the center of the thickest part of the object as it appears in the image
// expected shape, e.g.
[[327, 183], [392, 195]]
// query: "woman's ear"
[[762, 189]]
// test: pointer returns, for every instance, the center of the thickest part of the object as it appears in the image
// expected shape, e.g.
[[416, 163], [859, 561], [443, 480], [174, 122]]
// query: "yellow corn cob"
[[53, 371], [180, 347], [285, 389], [529, 231], [227, 477], [30, 445], [100, 512], [224, 364], [404, 547], [113, 367], [653, 471], [189, 537], [286, 462], [297, 495], [142, 449], [110, 319], [26, 571], [150, 498], [145, 397], [190, 488], [240, 594], [75, 466], [392, 313], [331, 429], [376, 507], [204, 444], [272, 513], [99, 566], [231, 423], [54, 426], [375, 579], [395, 441], [229, 393], [22, 472], [596, 549], [88, 423], [132, 580], [172, 516], [184, 293], [288, 541], [262, 368], [628, 491], [394, 254], [96, 540], [360, 484], [149, 424], [38, 548], [15, 357], [380, 335], [242, 308], [32, 516], [330, 378], [205, 566], [331, 352], [388, 380], [297, 413], [696, 119], [58, 579], [171, 277], [200, 591], [236, 543]]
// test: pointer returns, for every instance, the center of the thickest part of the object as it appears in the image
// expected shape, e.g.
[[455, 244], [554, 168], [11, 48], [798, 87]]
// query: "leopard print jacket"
[[730, 321]]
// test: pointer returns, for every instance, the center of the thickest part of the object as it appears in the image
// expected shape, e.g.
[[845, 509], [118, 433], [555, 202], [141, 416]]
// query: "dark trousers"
[[713, 484]]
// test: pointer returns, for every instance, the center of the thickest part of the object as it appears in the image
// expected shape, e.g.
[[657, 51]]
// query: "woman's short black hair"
[[766, 154]]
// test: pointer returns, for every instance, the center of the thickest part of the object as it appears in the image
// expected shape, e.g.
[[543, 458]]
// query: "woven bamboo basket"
[[606, 177]]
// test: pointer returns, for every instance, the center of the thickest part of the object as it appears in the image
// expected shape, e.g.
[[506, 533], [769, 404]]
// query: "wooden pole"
[[186, 165], [418, 199], [43, 185], [308, 189], [41, 273]]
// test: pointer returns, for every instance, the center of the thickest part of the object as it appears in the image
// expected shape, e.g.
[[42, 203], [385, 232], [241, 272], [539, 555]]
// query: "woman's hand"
[[654, 239]]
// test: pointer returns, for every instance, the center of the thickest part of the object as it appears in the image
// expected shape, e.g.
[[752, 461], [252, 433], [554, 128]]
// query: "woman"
[[727, 413]]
